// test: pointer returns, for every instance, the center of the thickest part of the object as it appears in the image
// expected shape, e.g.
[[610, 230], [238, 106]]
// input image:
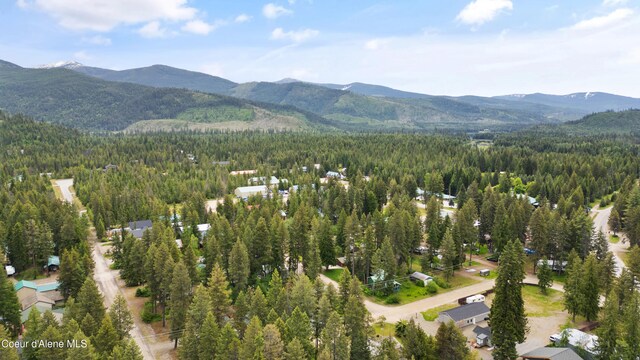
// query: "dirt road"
[[105, 278]]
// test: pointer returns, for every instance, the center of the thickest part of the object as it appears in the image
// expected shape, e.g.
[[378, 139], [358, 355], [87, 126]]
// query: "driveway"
[[65, 188], [600, 222]]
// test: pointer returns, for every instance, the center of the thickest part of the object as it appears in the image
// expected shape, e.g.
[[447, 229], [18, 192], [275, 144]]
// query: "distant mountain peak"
[[61, 64], [288, 81]]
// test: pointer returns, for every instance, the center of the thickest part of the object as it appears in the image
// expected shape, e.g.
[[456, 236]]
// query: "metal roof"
[[552, 354], [467, 311]]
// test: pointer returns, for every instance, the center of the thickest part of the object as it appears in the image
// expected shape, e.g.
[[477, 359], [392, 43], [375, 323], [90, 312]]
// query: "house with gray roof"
[[546, 353], [465, 315]]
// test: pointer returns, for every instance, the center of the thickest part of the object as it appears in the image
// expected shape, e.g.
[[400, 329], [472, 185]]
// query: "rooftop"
[[552, 354], [467, 311]]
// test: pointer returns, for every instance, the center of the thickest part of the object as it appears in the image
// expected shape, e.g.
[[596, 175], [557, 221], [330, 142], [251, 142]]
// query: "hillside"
[[609, 122], [587, 102], [162, 76], [67, 97]]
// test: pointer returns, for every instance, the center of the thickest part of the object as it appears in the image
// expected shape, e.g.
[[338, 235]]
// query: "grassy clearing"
[[385, 330], [432, 314], [56, 190], [492, 275], [614, 239], [30, 274], [334, 274], [540, 305], [410, 292]]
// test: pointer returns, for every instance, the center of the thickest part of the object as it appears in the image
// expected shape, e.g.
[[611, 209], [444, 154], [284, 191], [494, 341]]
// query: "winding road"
[[600, 221]]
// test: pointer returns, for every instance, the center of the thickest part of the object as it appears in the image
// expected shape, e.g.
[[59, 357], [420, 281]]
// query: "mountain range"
[[163, 97]]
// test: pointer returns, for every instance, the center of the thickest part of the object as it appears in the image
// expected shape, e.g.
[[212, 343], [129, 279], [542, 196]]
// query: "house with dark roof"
[[140, 225], [546, 353], [465, 315]]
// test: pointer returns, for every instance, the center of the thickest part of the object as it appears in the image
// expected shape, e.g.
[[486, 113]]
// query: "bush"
[[147, 314], [432, 288], [419, 283], [401, 328], [392, 299], [441, 283], [483, 249], [143, 292]]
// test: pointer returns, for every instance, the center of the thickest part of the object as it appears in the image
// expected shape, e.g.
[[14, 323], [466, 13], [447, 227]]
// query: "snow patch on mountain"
[[61, 64]]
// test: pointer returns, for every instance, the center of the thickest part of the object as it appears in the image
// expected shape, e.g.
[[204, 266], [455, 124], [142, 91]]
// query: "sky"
[[439, 47]]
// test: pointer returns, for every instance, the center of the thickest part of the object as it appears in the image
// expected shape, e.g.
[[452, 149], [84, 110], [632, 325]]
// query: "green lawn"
[[559, 278], [492, 275], [614, 239], [432, 314], [385, 330], [410, 292], [334, 274], [539, 305]]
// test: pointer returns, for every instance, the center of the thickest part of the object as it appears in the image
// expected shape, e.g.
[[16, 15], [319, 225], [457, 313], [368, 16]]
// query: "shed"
[[545, 353], [10, 270], [53, 263], [418, 276], [483, 336], [485, 272], [465, 315]]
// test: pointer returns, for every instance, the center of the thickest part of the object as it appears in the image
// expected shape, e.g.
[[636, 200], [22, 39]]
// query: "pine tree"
[[9, 305], [253, 342], [71, 274], [298, 326], [631, 326], [417, 344], [325, 243], [260, 247], [273, 346], [451, 344], [614, 221], [189, 259], [572, 288], [449, 255], [600, 245], [608, 330], [545, 276], [106, 337], [90, 301], [356, 320], [16, 248], [259, 306], [302, 295], [633, 262], [180, 299], [52, 334], [207, 337], [121, 316], [275, 285], [241, 315], [589, 288], [508, 320], [219, 293], [130, 351], [295, 350], [335, 341], [196, 315], [313, 264], [7, 352], [345, 285], [81, 352], [239, 266], [228, 345], [388, 350]]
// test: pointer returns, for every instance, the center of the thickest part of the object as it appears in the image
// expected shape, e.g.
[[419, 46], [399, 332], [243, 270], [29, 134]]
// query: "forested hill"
[[67, 97], [623, 122]]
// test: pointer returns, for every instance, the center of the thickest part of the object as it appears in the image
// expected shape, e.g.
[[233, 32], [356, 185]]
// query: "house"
[[179, 243], [577, 338], [546, 353], [110, 167], [202, 229], [532, 201], [140, 225], [485, 272], [554, 264], [341, 261], [305, 169], [53, 263], [483, 336], [465, 315], [334, 174], [378, 278], [245, 192], [41, 296], [418, 276], [257, 180]]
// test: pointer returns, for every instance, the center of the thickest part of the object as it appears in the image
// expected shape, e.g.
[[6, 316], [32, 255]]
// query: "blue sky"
[[453, 47]]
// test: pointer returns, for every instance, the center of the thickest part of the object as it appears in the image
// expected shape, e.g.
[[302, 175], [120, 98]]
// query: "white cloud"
[[242, 18], [603, 21], [614, 2], [22, 4], [273, 11], [202, 28], [104, 15], [295, 36], [97, 40], [153, 30], [375, 44], [213, 68], [479, 12]]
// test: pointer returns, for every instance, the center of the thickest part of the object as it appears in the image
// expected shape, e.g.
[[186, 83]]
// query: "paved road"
[[600, 221], [105, 278]]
